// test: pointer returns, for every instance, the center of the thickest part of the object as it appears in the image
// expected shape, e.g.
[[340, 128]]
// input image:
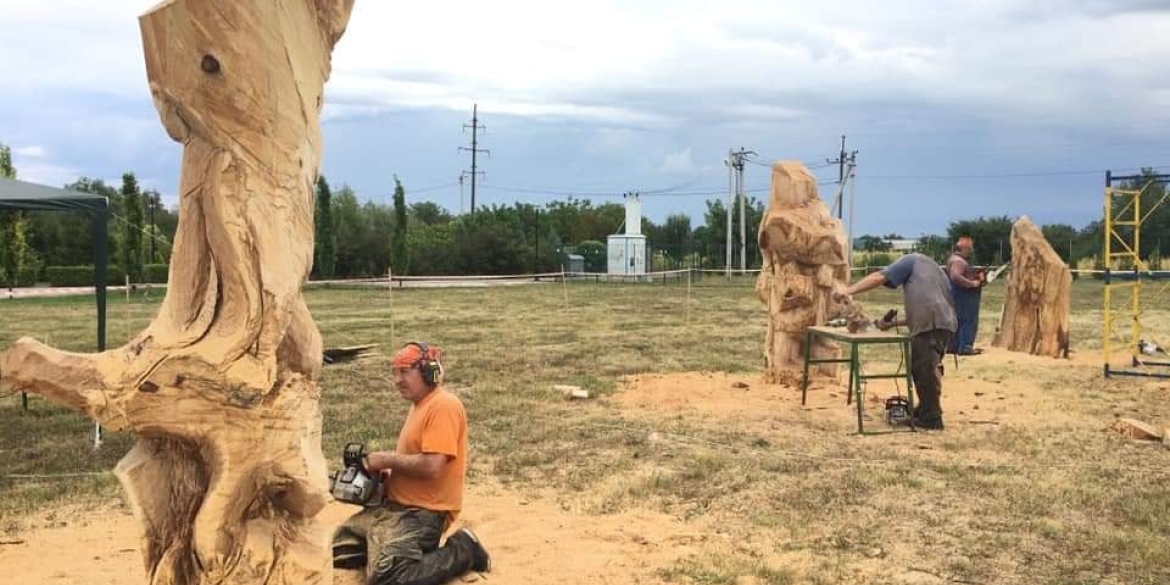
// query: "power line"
[[413, 191], [1002, 175]]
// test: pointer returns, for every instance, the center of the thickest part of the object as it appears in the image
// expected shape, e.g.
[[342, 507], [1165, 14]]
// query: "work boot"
[[928, 424], [481, 561]]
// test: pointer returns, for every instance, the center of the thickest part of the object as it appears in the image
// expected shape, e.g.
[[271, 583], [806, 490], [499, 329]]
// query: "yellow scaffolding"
[[1123, 231]]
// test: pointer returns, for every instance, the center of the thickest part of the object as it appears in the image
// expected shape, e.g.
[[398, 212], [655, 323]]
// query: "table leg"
[[852, 374], [906, 356], [804, 381], [855, 375]]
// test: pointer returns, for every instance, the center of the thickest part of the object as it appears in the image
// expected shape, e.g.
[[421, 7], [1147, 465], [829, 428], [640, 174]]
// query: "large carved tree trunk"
[[803, 250], [1038, 297], [227, 476]]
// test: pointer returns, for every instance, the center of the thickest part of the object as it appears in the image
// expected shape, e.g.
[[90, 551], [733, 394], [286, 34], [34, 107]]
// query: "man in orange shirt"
[[397, 538]]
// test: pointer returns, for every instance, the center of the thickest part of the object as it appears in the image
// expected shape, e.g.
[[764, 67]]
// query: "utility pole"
[[741, 194], [843, 159], [475, 150], [736, 195], [463, 175], [730, 196]]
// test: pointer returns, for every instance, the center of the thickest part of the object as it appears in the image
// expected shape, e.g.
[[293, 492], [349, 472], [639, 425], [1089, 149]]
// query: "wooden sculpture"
[[804, 256], [227, 475], [1038, 297]]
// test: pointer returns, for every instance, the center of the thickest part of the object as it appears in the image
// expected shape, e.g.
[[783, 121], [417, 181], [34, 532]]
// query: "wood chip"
[[1136, 429]]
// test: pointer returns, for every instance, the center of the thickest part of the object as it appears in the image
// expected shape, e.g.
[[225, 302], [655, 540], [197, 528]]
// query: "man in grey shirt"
[[930, 315]]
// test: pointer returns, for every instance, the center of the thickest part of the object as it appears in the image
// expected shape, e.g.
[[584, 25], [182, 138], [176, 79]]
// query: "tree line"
[[356, 238], [1081, 247]]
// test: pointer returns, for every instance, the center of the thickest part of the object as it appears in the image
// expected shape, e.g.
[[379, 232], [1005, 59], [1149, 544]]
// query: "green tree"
[[594, 253], [714, 244], [1155, 233], [399, 254], [16, 255], [324, 243], [429, 213], [868, 243], [7, 171], [9, 257], [72, 242], [1062, 238], [132, 228], [674, 238], [992, 236], [935, 246], [491, 241]]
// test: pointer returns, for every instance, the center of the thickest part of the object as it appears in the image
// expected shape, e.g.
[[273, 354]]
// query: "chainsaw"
[[355, 484], [994, 274]]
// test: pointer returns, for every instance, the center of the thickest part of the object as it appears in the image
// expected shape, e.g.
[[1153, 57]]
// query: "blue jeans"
[[967, 311]]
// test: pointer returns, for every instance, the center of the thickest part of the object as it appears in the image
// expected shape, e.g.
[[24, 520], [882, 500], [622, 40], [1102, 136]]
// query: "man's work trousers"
[[967, 311], [400, 546], [926, 352]]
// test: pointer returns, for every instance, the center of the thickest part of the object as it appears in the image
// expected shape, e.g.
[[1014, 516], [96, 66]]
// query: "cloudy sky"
[[957, 108]]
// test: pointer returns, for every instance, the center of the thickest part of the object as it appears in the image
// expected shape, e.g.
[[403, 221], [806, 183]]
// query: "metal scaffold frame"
[[1124, 228]]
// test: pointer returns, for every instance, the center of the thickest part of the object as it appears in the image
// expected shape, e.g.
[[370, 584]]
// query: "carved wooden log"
[[1038, 298], [803, 249], [227, 476]]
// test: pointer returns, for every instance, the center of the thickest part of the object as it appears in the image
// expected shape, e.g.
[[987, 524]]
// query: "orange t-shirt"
[[436, 424]]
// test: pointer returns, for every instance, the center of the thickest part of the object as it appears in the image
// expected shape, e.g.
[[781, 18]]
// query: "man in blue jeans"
[[930, 315], [967, 291]]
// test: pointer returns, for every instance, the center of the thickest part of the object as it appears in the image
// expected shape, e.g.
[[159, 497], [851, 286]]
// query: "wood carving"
[[804, 256], [1038, 298], [227, 475]]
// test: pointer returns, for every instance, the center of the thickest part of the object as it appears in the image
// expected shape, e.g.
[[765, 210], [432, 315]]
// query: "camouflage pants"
[[399, 546]]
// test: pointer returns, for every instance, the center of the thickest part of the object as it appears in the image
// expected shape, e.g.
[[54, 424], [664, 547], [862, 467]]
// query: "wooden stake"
[[564, 287]]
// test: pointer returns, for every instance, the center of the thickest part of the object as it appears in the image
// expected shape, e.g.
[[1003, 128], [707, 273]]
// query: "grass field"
[[1046, 495]]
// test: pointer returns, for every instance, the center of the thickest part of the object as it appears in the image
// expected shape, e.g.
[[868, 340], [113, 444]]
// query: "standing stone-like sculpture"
[[804, 256], [1038, 297], [227, 476]]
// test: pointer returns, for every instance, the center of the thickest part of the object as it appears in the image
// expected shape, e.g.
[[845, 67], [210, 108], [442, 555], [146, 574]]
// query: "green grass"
[[1069, 502]]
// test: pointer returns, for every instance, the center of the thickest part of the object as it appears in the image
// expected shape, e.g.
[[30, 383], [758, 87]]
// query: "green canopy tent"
[[24, 196]]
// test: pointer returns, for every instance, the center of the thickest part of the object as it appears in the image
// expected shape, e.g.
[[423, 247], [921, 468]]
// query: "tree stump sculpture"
[[1038, 298], [804, 256], [227, 475]]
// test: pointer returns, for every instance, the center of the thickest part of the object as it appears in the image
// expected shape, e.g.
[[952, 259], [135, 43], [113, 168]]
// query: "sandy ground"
[[532, 540], [968, 399]]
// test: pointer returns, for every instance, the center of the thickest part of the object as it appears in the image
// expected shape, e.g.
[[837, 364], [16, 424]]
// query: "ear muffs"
[[430, 368]]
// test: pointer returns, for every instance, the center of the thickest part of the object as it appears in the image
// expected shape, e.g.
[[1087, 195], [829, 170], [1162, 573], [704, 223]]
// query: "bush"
[[28, 276], [594, 253], [155, 273], [82, 275]]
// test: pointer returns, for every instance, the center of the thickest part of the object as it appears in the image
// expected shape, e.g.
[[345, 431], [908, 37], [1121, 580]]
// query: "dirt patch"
[[993, 388], [532, 540]]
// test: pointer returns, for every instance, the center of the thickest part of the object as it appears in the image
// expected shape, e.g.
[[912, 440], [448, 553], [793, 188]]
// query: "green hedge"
[[155, 273], [28, 276], [81, 275]]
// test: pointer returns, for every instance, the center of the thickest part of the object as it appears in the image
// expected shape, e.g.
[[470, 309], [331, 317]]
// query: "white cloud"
[[677, 162], [45, 173], [29, 151], [657, 63]]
